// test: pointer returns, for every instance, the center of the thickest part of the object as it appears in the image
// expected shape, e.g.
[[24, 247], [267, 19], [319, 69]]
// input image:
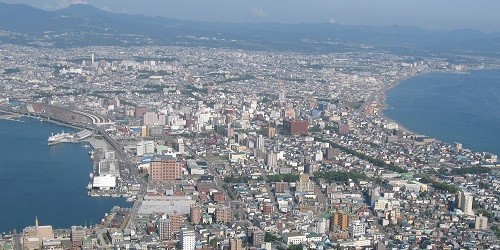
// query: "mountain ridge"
[[86, 19]]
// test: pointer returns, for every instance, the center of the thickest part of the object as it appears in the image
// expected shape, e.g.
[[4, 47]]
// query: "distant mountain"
[[83, 24]]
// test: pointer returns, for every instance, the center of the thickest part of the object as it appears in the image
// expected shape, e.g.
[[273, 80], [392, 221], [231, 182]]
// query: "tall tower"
[[93, 58], [466, 200], [260, 141], [282, 95], [187, 239]]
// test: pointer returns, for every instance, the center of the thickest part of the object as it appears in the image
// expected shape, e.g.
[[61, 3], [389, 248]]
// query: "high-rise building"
[[223, 215], [272, 159], [165, 229], [357, 228], [340, 221], [150, 118], [195, 215], [235, 244], [187, 239], [271, 132], [177, 220], [260, 141], [257, 236], [281, 187], [165, 168], [77, 235], [321, 226], [481, 223], [295, 127], [282, 95], [465, 200]]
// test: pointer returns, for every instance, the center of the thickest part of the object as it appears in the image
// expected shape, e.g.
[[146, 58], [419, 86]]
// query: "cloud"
[[259, 12]]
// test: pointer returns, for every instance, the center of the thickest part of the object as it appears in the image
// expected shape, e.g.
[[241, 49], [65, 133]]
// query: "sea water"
[[452, 107], [48, 182]]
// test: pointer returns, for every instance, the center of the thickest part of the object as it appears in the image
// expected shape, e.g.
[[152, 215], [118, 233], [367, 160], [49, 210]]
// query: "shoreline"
[[100, 203], [381, 101]]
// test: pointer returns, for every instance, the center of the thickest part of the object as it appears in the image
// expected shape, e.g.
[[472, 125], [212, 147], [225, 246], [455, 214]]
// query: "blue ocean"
[[452, 107], [45, 181]]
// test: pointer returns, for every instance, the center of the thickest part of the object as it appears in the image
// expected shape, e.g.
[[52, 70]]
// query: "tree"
[[213, 242]]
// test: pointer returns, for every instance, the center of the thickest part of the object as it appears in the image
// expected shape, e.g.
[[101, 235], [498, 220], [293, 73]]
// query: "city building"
[[223, 215], [195, 215], [34, 236], [465, 200], [340, 221], [165, 229], [187, 239], [295, 127], [235, 244], [481, 223], [77, 235], [257, 236], [165, 168], [357, 228], [293, 238]]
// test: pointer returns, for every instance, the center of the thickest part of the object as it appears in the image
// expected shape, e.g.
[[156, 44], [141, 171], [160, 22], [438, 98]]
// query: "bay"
[[452, 107], [45, 181]]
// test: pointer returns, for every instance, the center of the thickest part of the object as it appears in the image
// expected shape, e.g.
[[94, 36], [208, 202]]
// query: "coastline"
[[61, 177], [382, 97]]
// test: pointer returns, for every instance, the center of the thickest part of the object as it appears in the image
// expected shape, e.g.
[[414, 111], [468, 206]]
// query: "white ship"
[[59, 137]]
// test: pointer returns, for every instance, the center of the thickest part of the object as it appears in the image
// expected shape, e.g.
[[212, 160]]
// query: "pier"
[[11, 117]]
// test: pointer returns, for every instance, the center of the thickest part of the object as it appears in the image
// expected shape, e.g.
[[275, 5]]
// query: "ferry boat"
[[59, 137]]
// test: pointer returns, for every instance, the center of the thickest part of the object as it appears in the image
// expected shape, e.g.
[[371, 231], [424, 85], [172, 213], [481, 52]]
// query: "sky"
[[481, 15]]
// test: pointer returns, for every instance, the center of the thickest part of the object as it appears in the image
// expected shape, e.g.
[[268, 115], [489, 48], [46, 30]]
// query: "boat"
[[86, 146], [59, 137]]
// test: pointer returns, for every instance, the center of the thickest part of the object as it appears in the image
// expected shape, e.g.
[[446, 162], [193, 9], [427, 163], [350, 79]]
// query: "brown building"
[[331, 153], [77, 235], [177, 220], [271, 132], [295, 127], [235, 244], [195, 215], [33, 236], [165, 229], [340, 221], [281, 187], [267, 208], [218, 197], [257, 236], [223, 215], [165, 169], [140, 111]]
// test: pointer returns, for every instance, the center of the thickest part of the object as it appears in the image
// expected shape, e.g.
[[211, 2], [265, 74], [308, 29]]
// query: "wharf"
[[98, 143], [11, 117]]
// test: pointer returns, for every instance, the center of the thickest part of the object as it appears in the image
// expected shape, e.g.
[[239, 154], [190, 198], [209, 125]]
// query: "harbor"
[[68, 137], [11, 117]]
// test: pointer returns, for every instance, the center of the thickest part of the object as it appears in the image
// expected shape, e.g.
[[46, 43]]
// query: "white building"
[[357, 228], [465, 202], [187, 239], [294, 238], [145, 147], [104, 182]]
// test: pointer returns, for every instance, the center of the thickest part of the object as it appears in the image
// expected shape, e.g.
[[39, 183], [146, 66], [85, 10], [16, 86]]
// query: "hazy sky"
[[483, 15]]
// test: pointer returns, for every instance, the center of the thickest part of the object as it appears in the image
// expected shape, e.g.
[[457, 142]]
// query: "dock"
[[11, 117]]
